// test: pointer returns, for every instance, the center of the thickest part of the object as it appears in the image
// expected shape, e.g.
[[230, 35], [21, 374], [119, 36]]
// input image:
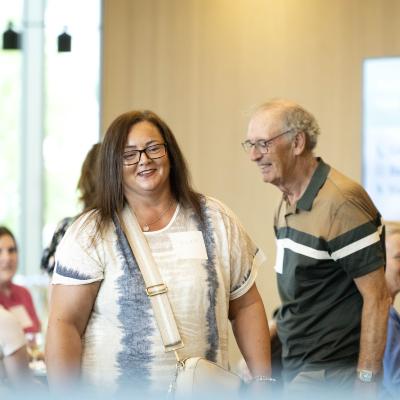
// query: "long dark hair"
[[111, 197]]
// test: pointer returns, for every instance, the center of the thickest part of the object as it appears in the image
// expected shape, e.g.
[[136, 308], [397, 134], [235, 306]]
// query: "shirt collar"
[[317, 180]]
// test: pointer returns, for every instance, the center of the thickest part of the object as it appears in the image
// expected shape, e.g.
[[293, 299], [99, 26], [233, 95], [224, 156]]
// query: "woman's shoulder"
[[87, 231], [84, 224], [217, 206]]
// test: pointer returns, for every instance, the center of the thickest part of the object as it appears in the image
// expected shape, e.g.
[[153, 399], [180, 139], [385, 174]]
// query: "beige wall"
[[203, 64]]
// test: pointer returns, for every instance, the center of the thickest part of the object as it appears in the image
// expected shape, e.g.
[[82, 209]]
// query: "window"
[[49, 119], [72, 104], [10, 100], [381, 134]]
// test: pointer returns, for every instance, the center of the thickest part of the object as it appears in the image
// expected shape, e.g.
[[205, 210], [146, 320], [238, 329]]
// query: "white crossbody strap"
[[155, 287]]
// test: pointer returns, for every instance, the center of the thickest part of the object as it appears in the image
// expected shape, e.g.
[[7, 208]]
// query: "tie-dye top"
[[204, 265]]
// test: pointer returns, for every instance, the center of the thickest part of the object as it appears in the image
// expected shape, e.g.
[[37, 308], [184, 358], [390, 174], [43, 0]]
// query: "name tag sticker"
[[189, 245]]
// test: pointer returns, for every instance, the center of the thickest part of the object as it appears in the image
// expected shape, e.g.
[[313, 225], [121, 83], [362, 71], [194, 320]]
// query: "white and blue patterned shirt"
[[122, 347]]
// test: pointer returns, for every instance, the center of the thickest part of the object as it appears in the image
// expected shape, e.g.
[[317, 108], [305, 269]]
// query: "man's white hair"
[[294, 117]]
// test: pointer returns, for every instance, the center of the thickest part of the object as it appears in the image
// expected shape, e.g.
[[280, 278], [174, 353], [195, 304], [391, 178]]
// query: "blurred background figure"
[[391, 360], [15, 298], [86, 187], [14, 359]]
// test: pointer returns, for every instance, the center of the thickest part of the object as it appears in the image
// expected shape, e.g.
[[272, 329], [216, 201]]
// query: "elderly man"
[[330, 258], [391, 359]]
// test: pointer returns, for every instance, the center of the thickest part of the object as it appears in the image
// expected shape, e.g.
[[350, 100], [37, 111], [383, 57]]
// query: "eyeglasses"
[[132, 157], [263, 146]]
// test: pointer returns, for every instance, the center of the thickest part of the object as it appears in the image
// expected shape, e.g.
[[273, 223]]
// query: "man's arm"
[[250, 327], [376, 304]]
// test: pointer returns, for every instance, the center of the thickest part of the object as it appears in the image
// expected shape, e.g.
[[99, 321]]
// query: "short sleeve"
[[356, 240], [244, 255], [77, 259], [11, 334]]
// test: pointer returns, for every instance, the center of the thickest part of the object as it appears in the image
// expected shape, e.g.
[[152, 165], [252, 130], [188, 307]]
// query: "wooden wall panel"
[[203, 64]]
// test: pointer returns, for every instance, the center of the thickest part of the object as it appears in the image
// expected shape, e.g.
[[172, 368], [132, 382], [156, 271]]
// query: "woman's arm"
[[250, 327], [70, 309]]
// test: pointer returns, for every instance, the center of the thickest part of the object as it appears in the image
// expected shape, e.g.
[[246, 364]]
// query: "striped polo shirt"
[[331, 236]]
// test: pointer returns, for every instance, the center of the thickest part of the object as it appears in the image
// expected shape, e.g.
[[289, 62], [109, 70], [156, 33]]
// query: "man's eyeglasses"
[[263, 146], [132, 157]]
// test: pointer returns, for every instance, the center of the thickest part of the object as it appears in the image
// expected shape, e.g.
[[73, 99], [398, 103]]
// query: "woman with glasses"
[[102, 330]]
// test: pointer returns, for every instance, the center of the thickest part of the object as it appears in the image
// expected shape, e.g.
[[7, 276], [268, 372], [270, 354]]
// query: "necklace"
[[146, 227]]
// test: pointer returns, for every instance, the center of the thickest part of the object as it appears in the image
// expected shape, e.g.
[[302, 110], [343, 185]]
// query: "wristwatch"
[[365, 376]]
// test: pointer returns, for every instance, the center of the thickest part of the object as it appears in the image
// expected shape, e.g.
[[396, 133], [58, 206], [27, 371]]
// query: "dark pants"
[[323, 383]]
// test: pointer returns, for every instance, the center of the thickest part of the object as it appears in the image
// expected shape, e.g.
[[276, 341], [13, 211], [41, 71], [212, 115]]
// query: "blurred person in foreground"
[[391, 359], [102, 330], [16, 298], [87, 189], [15, 374], [330, 260]]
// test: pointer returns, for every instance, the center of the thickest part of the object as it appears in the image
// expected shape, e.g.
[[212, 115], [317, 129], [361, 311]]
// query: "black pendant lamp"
[[64, 42], [11, 39]]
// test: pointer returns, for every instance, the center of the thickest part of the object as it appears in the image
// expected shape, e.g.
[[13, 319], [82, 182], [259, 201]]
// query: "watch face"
[[365, 375]]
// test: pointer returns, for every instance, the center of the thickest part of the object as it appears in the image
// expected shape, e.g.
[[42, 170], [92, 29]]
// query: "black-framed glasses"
[[154, 151], [262, 145]]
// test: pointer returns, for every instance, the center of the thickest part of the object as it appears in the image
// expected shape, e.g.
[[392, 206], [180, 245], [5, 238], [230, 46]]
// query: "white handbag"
[[194, 376], [198, 377]]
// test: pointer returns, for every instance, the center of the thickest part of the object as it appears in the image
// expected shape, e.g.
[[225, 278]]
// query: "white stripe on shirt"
[[356, 246]]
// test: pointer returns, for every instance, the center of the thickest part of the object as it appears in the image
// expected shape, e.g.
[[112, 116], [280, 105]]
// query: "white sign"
[[381, 134]]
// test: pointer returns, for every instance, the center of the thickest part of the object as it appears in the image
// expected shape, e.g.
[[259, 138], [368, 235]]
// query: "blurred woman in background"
[[87, 189], [16, 298]]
